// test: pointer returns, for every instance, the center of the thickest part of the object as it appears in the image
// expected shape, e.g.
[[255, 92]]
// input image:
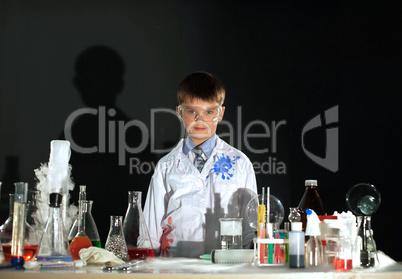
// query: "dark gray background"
[[278, 61]]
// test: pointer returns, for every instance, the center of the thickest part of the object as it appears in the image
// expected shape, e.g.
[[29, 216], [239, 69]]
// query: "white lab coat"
[[183, 206]]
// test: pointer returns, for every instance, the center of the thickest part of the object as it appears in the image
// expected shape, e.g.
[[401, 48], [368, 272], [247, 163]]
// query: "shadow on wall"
[[99, 156]]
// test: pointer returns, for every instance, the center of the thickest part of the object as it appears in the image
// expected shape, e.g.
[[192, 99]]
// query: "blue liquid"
[[296, 261]]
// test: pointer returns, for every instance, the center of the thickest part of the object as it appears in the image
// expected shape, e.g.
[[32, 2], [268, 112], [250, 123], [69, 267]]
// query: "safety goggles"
[[193, 113]]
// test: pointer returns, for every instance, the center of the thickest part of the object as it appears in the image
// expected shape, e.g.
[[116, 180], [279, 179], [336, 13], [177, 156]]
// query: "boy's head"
[[203, 86], [200, 96]]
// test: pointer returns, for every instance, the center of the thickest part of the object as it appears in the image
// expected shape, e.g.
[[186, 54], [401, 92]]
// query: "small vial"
[[296, 246]]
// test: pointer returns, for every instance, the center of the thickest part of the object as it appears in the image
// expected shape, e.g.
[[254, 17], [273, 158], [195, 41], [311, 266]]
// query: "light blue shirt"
[[206, 146]]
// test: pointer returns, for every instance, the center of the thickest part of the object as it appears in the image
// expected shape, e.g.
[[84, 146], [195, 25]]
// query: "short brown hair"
[[201, 85]]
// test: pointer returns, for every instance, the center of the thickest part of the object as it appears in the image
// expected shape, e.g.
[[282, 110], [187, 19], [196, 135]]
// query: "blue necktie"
[[199, 161]]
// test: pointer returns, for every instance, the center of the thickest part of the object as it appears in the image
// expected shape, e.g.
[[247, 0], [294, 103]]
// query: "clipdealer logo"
[[331, 159], [269, 166]]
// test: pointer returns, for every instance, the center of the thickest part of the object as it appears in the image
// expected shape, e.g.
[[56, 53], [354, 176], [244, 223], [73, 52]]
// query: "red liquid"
[[139, 253], [343, 265], [29, 252], [77, 244]]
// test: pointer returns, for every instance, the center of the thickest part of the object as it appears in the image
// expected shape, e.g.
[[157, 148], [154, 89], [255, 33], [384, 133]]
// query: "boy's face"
[[200, 118]]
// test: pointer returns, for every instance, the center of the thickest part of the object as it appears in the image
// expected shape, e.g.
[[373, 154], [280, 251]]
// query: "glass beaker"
[[135, 229], [115, 242], [231, 233], [90, 226]]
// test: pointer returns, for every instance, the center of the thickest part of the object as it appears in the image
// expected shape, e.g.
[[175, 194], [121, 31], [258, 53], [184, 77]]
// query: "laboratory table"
[[196, 268]]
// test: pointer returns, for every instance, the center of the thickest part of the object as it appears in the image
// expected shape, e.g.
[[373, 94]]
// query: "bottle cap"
[[55, 200], [310, 182], [297, 226]]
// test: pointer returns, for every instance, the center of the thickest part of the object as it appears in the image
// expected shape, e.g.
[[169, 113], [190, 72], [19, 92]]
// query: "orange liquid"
[[342, 264], [77, 244], [29, 252], [139, 253]]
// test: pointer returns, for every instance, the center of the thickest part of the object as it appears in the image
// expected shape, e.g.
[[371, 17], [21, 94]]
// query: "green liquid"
[[96, 243]]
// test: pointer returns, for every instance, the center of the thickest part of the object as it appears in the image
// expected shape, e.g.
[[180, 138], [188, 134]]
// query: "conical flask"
[[80, 240], [54, 243], [368, 249], [31, 240], [90, 227], [7, 228], [115, 242], [135, 229]]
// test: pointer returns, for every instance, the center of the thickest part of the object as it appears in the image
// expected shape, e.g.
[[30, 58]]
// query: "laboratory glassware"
[[115, 242], [19, 215], [54, 243], [310, 199], [80, 240], [363, 200], [231, 233], [135, 229], [91, 229]]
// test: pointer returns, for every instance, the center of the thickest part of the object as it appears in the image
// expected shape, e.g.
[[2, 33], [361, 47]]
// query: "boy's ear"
[[223, 112]]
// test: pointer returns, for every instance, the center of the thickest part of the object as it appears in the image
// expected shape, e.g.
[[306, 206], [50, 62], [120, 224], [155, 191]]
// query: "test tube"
[[19, 214]]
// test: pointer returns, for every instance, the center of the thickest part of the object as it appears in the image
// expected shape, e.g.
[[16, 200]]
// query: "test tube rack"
[[264, 243]]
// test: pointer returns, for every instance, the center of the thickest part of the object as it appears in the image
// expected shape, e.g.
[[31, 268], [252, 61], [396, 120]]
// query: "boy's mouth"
[[199, 128]]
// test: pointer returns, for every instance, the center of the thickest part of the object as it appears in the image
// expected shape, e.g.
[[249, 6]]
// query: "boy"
[[199, 181]]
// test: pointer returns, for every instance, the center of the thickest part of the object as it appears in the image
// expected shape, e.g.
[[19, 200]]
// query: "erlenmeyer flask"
[[135, 229], [7, 228], [31, 238], [54, 243], [6, 231], [80, 240], [368, 250], [90, 227], [115, 242]]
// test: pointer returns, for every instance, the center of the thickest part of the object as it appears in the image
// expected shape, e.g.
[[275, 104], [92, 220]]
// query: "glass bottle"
[[54, 243], [135, 230], [90, 227], [115, 242], [80, 240], [311, 199]]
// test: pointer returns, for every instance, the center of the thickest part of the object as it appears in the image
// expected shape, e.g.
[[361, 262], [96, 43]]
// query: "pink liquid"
[[29, 252], [140, 253], [343, 265]]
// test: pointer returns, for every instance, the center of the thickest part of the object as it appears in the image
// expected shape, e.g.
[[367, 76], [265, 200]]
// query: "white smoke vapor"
[[55, 176]]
